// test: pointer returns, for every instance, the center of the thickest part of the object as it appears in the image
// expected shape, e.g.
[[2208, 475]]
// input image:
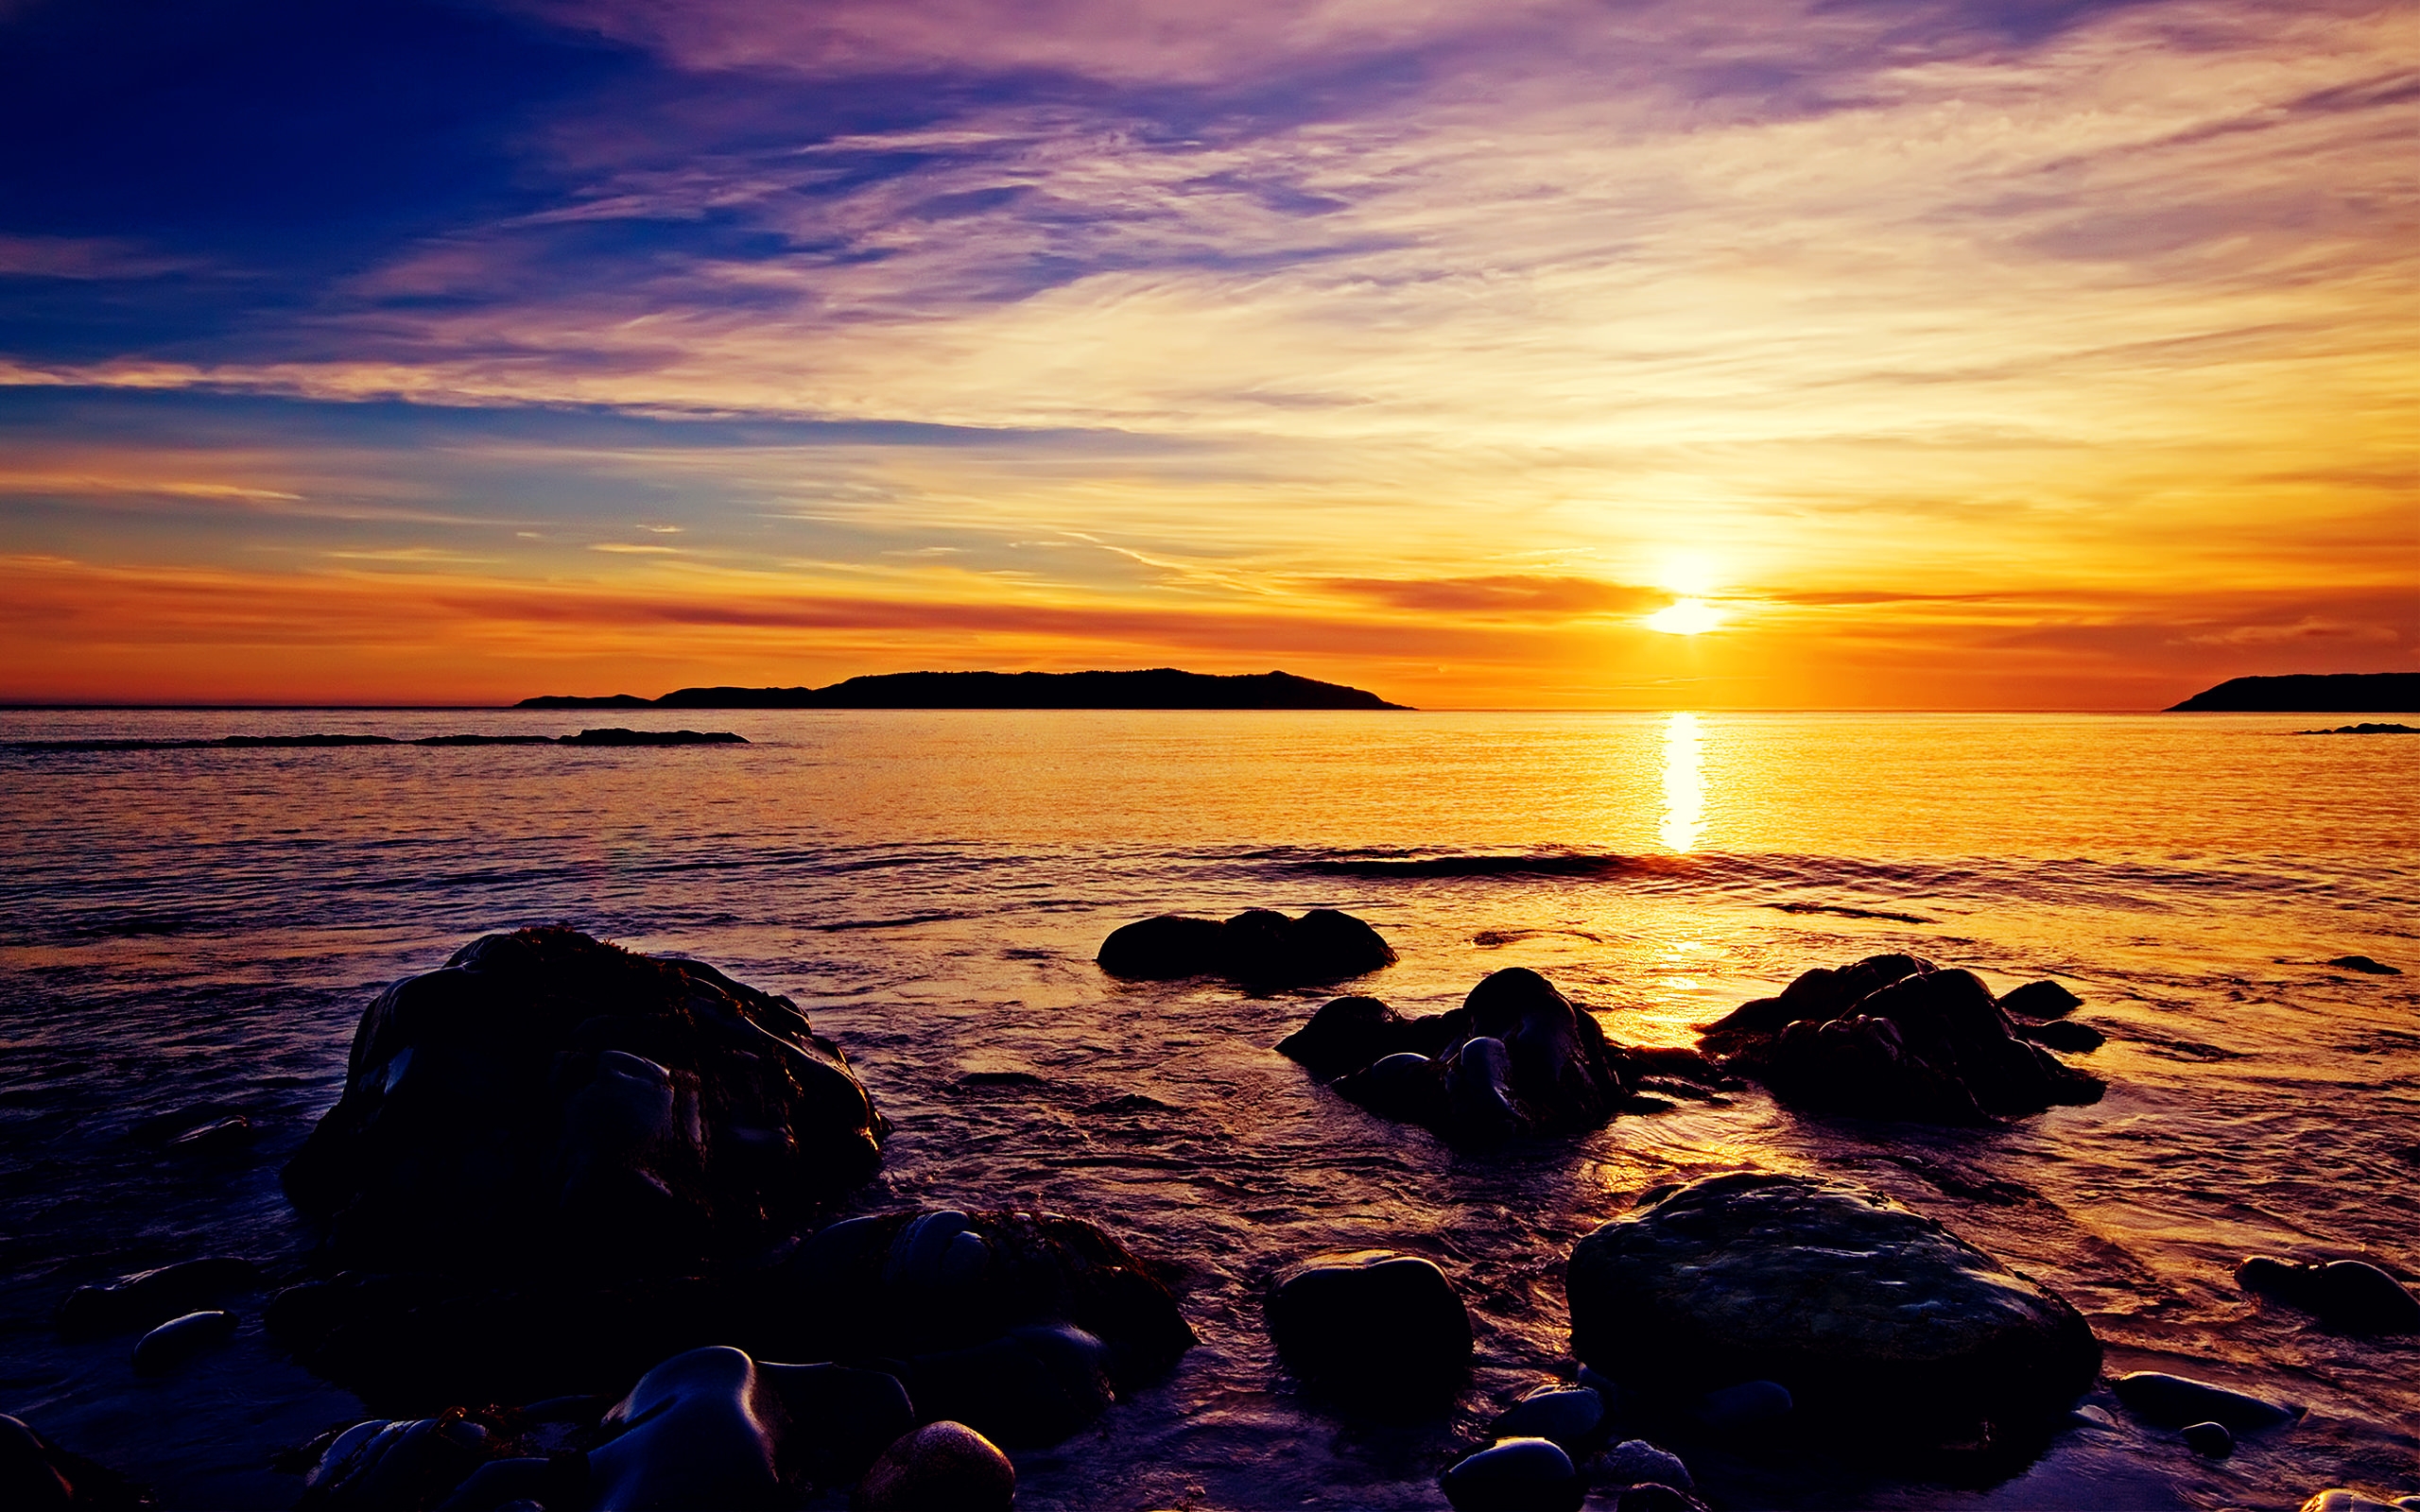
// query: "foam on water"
[[190, 931]]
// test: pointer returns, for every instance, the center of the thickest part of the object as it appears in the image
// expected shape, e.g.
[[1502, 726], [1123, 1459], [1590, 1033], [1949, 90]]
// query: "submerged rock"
[[1883, 1326], [2040, 1000], [940, 1466], [2173, 1401], [1517, 1058], [178, 1340], [2350, 1294], [1895, 1037], [149, 1299], [1515, 1475], [1572, 1416], [1373, 1327], [1259, 947], [549, 1095]]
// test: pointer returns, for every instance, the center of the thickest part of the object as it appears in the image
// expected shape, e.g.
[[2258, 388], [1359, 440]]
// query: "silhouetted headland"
[[2333, 693], [586, 737], [1159, 688]]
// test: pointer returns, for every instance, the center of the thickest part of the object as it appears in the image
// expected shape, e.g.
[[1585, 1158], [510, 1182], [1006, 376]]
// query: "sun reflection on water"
[[1683, 783]]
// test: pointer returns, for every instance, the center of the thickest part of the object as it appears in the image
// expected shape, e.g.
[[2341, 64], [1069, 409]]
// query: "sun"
[[1691, 616]]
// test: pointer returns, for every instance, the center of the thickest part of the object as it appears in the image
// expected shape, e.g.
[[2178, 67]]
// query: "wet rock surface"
[[1884, 1330], [2175, 1402], [1373, 1328], [37, 1476], [942, 1465], [1259, 947], [1516, 1058], [547, 1095], [1023, 1326], [1895, 1037], [1515, 1475]]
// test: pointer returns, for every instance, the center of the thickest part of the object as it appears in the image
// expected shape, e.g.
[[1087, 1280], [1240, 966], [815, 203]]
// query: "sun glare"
[[1691, 616]]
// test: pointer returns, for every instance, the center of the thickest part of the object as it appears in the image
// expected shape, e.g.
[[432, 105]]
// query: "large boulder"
[[1023, 1326], [1895, 1037], [1883, 1326], [1517, 1058], [1259, 947], [1373, 1328], [546, 1094]]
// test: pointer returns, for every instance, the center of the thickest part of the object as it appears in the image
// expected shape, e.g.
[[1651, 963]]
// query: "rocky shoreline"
[[549, 1133]]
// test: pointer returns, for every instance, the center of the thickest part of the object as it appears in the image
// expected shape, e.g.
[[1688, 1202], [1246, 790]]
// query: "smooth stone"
[[2351, 1294], [379, 1465], [943, 1466], [1344, 1036], [1407, 1085], [2171, 1402], [711, 1428], [1749, 1404], [1372, 1327], [2209, 1440], [1515, 1475], [1030, 1387], [178, 1340], [1568, 1414], [1162, 948], [1259, 947], [1635, 1459], [1807, 1284], [1478, 1091], [149, 1299], [2041, 1000]]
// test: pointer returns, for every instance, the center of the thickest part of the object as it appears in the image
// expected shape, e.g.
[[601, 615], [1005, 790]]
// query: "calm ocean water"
[[203, 927]]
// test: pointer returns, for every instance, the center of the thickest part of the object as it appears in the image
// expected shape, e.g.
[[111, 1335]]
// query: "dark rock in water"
[[1572, 1416], [1895, 1037], [1517, 1058], [2040, 1000], [2066, 1036], [37, 1476], [654, 737], [1020, 1325], [1635, 1460], [2209, 1440], [1746, 1405], [713, 1428], [1373, 1327], [1515, 1475], [381, 1466], [940, 1466], [2349, 1294], [148, 1298], [2171, 1402], [1807, 1284], [1259, 947], [2342, 1499], [178, 1340], [549, 1095], [2366, 966]]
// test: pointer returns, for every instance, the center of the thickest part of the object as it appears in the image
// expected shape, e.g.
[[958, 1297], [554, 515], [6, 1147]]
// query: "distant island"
[[2335, 692], [1159, 688]]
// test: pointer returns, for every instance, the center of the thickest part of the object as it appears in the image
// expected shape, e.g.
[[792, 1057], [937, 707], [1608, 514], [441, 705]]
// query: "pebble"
[[1515, 1475], [180, 1339], [2209, 1440]]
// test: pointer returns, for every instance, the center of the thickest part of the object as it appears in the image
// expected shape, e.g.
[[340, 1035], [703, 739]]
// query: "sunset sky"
[[1950, 355]]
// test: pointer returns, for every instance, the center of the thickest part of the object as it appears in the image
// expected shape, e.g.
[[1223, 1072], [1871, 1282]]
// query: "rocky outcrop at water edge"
[[1895, 1037], [1803, 1285], [1259, 947]]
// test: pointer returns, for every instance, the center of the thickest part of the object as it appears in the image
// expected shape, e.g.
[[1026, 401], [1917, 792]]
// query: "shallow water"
[[201, 927]]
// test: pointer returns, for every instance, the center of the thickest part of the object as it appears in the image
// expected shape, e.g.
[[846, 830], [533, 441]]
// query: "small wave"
[[1535, 864], [1847, 912]]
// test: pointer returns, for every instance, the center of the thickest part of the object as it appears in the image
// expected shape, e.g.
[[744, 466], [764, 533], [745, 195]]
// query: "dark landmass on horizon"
[[2305, 692], [586, 737], [1159, 688]]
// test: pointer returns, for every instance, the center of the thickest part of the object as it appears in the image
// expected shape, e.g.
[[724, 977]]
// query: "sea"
[[190, 932]]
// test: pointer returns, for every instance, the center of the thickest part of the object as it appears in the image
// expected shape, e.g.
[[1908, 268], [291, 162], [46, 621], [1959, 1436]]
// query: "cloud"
[[1503, 596]]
